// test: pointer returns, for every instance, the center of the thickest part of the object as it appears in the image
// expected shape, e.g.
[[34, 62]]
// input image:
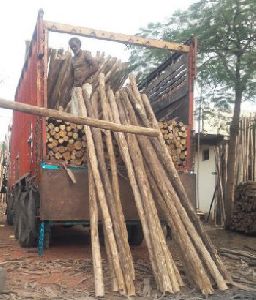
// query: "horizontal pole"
[[115, 37], [52, 113]]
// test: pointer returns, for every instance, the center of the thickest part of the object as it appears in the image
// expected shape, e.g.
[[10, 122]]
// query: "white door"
[[206, 177]]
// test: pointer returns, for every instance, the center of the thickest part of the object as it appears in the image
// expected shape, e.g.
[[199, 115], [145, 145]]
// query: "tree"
[[226, 60]]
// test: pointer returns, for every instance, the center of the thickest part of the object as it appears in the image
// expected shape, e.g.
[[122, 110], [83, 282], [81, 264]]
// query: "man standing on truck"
[[83, 64]]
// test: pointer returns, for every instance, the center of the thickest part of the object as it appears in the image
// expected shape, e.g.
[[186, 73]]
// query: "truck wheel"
[[17, 210], [135, 234], [27, 229], [47, 236], [9, 209]]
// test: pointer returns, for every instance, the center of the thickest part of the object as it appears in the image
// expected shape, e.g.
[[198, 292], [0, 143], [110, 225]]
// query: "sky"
[[18, 18]]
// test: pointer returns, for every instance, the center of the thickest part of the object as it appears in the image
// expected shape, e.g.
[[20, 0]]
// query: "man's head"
[[75, 45]]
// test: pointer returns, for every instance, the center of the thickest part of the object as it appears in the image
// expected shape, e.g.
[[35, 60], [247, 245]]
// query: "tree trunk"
[[234, 129]]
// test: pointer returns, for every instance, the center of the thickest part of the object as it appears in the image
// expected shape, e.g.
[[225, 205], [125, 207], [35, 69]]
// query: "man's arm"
[[92, 63]]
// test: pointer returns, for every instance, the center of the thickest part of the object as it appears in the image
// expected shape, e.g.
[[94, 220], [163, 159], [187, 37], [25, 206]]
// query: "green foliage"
[[226, 33]]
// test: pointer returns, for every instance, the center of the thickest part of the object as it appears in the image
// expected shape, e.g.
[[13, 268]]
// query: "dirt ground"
[[65, 270]]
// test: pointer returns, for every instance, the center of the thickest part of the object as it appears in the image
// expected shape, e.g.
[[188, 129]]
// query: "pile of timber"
[[244, 215], [60, 77], [175, 136], [153, 179], [245, 167], [152, 176], [246, 150], [66, 143]]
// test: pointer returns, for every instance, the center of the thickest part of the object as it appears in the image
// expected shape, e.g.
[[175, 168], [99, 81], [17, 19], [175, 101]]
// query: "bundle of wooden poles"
[[60, 77], [60, 82], [154, 180], [245, 168], [244, 214], [246, 149], [150, 170], [175, 136]]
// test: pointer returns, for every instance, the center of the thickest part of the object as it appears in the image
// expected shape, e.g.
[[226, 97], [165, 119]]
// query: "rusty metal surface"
[[60, 199], [26, 138]]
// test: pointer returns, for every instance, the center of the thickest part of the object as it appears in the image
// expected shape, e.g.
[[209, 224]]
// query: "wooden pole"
[[175, 213], [155, 232], [121, 238], [96, 256], [115, 37], [115, 183], [94, 100], [52, 113], [143, 108], [166, 159], [153, 220], [123, 146], [101, 195]]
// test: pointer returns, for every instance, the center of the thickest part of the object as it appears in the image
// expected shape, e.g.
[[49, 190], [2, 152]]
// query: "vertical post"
[[41, 239], [45, 94], [42, 61], [198, 149], [191, 77]]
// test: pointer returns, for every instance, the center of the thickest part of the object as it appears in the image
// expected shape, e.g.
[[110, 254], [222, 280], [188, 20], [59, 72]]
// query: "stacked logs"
[[246, 149], [60, 77], [175, 136], [245, 167], [66, 142], [153, 179], [244, 215]]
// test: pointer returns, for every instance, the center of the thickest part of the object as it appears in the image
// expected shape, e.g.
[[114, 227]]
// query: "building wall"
[[205, 177]]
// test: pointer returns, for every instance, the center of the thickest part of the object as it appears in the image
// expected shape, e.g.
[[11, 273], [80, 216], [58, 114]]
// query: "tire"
[[9, 210], [47, 236], [135, 234], [26, 227], [17, 210]]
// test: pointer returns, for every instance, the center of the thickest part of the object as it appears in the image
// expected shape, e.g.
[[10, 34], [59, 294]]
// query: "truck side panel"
[[26, 139]]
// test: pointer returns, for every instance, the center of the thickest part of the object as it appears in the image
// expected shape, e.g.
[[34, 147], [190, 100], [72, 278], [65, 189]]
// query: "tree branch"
[[225, 63]]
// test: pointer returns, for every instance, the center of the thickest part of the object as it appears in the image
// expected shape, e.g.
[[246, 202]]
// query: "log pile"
[[245, 167], [60, 76], [153, 179], [175, 136], [148, 165], [244, 215], [66, 142], [60, 79], [246, 150]]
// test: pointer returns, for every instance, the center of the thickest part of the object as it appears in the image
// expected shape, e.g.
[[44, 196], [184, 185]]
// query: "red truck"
[[40, 194]]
